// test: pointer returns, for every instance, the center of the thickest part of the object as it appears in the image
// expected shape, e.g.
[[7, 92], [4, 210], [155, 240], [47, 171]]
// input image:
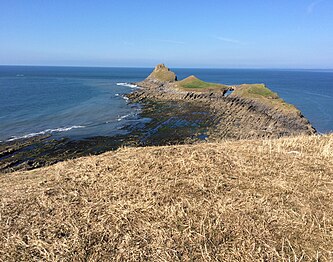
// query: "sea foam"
[[123, 117], [46, 131], [123, 97], [127, 84]]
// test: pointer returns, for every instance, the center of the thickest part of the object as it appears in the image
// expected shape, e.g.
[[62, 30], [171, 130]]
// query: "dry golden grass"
[[268, 200]]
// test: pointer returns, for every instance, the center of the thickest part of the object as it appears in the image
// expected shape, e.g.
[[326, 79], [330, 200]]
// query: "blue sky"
[[183, 33]]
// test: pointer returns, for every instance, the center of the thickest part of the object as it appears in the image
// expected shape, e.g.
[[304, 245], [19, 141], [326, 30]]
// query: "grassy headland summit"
[[230, 200]]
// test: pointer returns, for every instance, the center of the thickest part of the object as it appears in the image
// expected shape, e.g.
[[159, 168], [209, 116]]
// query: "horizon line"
[[181, 67]]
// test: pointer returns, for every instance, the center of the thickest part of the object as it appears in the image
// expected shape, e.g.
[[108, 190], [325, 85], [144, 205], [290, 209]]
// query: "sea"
[[83, 102]]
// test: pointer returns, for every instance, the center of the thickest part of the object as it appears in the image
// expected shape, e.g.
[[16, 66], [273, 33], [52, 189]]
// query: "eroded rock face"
[[234, 117]]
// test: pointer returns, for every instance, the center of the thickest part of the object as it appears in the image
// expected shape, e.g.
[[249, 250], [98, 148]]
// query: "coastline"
[[169, 124], [174, 201], [176, 117]]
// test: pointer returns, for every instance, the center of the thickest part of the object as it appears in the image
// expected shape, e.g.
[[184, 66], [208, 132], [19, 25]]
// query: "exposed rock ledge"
[[251, 111]]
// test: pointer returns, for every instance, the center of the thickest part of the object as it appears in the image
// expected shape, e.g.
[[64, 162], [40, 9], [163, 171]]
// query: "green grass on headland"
[[255, 90], [260, 93], [196, 84]]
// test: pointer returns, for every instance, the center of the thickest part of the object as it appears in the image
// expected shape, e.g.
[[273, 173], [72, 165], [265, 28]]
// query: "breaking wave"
[[123, 97], [46, 131], [127, 84], [123, 117]]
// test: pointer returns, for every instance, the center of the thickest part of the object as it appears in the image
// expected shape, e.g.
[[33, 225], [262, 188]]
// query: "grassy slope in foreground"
[[263, 95], [234, 201], [195, 84]]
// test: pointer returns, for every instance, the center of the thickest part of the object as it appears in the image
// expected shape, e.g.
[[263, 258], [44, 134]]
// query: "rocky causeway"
[[251, 111]]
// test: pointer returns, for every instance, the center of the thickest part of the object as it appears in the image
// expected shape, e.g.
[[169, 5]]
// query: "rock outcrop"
[[160, 76]]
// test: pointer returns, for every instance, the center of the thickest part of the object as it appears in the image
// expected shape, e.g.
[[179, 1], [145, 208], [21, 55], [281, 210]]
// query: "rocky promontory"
[[250, 111]]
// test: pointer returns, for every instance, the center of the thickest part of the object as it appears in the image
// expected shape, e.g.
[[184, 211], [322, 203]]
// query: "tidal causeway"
[[247, 111]]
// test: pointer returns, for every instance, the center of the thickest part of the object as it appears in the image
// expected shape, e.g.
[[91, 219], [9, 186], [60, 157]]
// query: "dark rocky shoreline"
[[172, 122]]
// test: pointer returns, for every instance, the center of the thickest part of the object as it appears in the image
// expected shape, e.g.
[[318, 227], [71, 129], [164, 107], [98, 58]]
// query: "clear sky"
[[180, 33]]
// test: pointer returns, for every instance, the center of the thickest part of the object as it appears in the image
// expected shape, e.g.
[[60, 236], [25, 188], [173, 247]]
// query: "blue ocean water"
[[65, 101], [80, 102]]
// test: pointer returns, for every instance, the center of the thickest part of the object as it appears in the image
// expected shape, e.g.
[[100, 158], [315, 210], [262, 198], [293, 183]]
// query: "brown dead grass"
[[269, 200]]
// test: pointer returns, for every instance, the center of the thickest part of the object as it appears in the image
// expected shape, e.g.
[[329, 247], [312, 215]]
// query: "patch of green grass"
[[255, 90], [262, 94], [193, 82], [262, 91]]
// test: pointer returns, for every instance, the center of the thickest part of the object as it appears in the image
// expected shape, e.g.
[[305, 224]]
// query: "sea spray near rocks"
[[47, 131], [128, 85]]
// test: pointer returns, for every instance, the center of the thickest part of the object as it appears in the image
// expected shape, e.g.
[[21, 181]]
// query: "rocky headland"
[[250, 111]]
